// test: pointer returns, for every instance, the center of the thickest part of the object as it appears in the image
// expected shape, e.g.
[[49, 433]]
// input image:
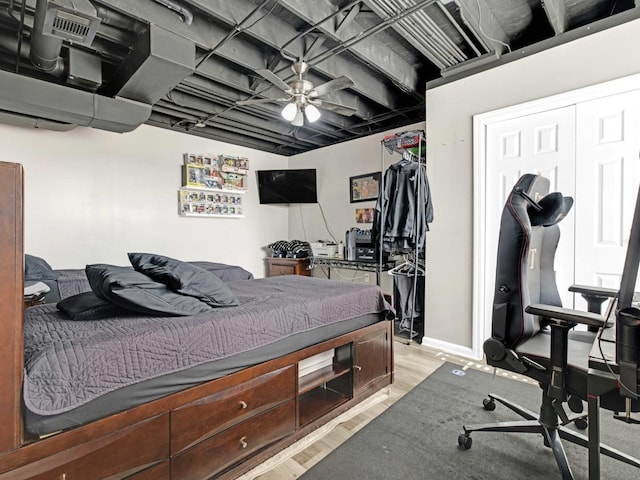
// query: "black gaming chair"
[[531, 334]]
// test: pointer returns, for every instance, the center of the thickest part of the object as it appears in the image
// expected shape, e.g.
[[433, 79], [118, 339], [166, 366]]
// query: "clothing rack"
[[411, 145]]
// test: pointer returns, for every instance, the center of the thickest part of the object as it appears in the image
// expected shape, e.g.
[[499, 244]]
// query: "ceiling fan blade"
[[258, 101], [336, 107], [273, 78], [332, 86]]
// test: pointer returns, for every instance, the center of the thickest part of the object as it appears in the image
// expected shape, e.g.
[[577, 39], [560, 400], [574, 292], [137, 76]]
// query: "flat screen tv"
[[287, 186]]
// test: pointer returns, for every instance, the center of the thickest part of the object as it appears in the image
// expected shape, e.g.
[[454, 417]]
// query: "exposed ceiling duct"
[[154, 66], [55, 21], [46, 101]]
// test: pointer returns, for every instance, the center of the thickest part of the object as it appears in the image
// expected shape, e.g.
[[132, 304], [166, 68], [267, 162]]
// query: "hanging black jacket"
[[404, 206]]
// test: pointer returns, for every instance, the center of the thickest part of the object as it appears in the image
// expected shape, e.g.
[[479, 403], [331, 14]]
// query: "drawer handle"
[[357, 367], [243, 442], [243, 404]]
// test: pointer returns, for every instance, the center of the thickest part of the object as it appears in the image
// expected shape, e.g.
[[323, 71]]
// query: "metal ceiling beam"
[[275, 32], [217, 71], [271, 31], [373, 52], [221, 122], [348, 19], [192, 100], [225, 99], [223, 135], [556, 11], [480, 19], [420, 30], [552, 42]]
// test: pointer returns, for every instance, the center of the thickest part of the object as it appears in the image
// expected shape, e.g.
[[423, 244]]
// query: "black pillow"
[[225, 272], [135, 291], [36, 268], [88, 306], [185, 278]]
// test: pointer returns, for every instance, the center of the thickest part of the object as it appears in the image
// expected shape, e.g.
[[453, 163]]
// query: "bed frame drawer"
[[161, 471], [234, 444], [103, 457], [210, 415]]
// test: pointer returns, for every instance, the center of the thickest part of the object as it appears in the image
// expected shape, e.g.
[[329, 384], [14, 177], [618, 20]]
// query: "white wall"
[[92, 196], [450, 108]]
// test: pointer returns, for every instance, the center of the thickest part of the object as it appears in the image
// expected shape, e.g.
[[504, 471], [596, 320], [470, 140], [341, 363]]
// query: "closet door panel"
[[541, 143], [606, 186]]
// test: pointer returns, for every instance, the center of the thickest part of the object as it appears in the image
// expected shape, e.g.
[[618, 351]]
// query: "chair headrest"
[[554, 207]]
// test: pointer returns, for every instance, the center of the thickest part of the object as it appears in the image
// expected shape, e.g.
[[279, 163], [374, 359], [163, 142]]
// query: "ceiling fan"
[[303, 98]]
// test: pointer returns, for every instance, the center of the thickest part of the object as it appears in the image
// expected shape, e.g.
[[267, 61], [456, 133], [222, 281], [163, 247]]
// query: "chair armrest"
[[567, 315], [594, 291]]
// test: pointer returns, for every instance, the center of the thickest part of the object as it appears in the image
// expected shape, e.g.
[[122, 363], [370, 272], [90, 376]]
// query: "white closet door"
[[606, 186], [541, 143]]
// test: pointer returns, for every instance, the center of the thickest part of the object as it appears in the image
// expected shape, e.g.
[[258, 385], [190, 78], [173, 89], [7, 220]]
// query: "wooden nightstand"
[[288, 266]]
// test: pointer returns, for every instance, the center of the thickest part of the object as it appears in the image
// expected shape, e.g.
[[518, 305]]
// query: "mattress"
[[76, 372]]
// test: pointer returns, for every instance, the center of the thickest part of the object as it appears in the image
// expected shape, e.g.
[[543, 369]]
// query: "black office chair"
[[532, 334]]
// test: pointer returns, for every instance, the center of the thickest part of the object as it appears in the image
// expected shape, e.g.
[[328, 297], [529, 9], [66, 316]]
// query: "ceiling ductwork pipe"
[[50, 102], [45, 50], [185, 15], [58, 20], [156, 64]]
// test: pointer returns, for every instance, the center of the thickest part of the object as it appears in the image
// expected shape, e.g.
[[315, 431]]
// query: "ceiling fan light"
[[298, 120], [312, 113], [289, 111]]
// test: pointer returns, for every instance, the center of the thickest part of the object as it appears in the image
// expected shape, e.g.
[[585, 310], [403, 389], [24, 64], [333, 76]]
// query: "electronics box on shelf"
[[324, 250], [360, 247]]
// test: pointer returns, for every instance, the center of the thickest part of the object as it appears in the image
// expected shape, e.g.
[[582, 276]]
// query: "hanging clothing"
[[409, 307], [406, 219]]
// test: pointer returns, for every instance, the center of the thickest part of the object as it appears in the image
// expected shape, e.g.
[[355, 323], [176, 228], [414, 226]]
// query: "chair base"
[[552, 432]]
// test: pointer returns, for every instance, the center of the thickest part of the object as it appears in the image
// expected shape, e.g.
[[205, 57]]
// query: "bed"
[[150, 396]]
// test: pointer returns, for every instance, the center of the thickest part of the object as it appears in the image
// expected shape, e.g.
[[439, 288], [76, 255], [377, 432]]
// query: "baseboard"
[[449, 347]]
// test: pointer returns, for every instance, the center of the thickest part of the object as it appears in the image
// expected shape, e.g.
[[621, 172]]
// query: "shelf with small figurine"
[[213, 185]]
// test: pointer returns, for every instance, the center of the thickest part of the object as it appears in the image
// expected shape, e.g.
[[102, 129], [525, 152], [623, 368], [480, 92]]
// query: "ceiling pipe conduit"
[[185, 15], [116, 19], [221, 134], [422, 28], [221, 122], [429, 50], [273, 111], [429, 28], [184, 99], [460, 30], [45, 50], [386, 23], [9, 43]]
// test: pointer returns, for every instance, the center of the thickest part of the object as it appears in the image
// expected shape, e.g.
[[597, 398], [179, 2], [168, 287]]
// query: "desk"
[[601, 379], [351, 265]]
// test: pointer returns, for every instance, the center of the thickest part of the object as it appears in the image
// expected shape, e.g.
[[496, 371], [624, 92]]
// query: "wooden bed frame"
[[218, 429]]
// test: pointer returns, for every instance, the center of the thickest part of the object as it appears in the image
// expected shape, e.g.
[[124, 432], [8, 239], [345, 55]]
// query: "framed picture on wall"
[[364, 215], [363, 188]]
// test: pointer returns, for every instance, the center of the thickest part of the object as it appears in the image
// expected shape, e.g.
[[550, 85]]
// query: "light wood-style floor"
[[413, 363]]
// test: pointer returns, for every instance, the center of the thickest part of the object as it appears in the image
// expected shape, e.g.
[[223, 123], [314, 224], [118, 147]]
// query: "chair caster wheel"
[[581, 424], [464, 441], [575, 404], [489, 404]]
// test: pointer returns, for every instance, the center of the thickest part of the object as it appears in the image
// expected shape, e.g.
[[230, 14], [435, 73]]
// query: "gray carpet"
[[417, 437]]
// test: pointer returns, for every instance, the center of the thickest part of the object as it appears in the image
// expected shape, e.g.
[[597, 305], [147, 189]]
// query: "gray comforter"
[[69, 363]]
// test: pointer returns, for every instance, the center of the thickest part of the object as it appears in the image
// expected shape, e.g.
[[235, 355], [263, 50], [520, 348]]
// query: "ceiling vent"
[[72, 20]]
